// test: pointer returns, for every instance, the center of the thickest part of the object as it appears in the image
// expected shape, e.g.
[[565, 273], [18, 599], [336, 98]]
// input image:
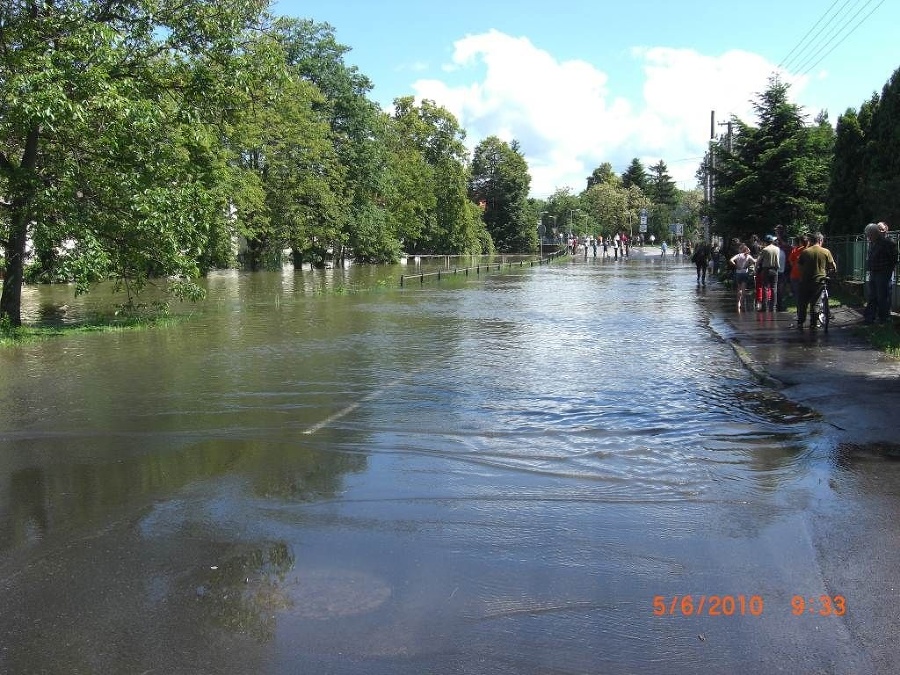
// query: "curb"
[[758, 371]]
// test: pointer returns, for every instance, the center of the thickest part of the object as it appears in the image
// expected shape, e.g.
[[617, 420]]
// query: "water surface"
[[488, 474]]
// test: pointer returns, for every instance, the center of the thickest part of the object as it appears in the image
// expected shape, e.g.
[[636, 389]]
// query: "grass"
[[19, 335], [884, 338]]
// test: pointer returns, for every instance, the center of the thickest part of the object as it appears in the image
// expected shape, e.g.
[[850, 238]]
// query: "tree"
[[288, 183], [635, 175], [775, 173], [103, 134], [500, 181], [607, 203], [430, 140], [357, 125], [603, 174], [882, 149], [660, 187]]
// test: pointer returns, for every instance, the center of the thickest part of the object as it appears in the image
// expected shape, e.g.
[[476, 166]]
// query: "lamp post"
[[542, 230], [572, 213]]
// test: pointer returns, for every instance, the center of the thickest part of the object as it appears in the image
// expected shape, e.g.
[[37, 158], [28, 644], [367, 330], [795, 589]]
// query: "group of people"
[[801, 270], [619, 244], [881, 260], [779, 268]]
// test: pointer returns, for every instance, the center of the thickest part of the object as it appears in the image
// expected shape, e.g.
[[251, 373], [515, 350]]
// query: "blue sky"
[[581, 83]]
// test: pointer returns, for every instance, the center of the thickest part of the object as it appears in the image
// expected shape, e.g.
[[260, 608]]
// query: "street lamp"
[[542, 229], [572, 213]]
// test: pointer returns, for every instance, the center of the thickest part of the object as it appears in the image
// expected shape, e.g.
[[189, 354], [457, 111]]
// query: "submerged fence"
[[479, 268]]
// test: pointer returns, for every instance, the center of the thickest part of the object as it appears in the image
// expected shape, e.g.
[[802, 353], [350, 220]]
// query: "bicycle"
[[822, 309]]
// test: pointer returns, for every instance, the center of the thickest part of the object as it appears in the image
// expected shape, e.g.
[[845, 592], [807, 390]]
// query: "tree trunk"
[[11, 298], [22, 191]]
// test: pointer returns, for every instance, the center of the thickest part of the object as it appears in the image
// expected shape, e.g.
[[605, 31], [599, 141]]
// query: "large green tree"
[[883, 154], [636, 175], [429, 142], [500, 181], [288, 187], [105, 110], [357, 133], [602, 174], [846, 212], [774, 173]]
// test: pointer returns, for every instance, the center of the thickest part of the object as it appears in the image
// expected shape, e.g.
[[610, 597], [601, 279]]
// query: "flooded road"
[[520, 472]]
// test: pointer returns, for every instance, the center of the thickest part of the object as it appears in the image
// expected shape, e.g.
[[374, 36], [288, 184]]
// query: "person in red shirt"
[[803, 242]]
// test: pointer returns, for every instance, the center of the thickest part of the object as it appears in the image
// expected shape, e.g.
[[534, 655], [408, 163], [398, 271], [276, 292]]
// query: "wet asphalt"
[[854, 526]]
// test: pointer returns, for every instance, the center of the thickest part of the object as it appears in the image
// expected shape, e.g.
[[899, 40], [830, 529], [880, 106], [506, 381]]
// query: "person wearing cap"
[[881, 259], [768, 263]]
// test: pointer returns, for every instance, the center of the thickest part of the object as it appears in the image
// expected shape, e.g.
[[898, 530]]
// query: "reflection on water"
[[244, 592], [451, 477]]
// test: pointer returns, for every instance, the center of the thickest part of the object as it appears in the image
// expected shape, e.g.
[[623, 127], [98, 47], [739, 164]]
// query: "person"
[[881, 259], [815, 263], [742, 261], [784, 268], [767, 273], [716, 257], [663, 247], [594, 245], [802, 243], [701, 260]]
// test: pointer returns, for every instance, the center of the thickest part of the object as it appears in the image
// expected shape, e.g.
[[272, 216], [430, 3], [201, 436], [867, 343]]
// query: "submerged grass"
[[19, 335]]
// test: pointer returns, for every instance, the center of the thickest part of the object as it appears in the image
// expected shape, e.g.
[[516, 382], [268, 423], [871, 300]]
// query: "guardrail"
[[478, 269]]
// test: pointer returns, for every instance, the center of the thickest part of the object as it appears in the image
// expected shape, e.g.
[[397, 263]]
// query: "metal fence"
[[850, 257]]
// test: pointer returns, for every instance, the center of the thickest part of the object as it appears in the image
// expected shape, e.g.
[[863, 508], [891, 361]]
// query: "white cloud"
[[569, 120]]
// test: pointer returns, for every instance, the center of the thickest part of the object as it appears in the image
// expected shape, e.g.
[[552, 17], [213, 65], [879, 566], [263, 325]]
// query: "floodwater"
[[511, 472]]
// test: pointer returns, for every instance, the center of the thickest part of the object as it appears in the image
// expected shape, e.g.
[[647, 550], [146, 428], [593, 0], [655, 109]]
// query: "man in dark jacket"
[[700, 258], [881, 259]]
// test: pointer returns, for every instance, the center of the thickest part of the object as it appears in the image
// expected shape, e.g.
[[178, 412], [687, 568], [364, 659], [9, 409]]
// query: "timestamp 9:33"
[[822, 605]]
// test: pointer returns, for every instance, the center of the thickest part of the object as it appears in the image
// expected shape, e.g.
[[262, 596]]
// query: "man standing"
[[768, 263], [881, 260], [815, 262], [784, 268]]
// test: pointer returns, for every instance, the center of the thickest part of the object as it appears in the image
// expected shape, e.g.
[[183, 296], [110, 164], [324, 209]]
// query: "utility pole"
[[711, 164], [710, 170]]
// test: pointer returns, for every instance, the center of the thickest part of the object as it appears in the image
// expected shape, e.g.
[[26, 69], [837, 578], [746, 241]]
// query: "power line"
[[805, 55], [786, 59], [835, 25], [848, 34]]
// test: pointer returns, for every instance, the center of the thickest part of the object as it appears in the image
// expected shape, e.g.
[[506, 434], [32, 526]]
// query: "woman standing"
[[742, 262]]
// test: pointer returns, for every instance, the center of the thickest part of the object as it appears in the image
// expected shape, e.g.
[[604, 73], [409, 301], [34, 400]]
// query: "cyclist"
[[815, 263]]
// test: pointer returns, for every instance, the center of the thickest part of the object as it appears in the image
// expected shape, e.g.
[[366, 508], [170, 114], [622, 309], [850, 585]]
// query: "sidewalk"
[[855, 387]]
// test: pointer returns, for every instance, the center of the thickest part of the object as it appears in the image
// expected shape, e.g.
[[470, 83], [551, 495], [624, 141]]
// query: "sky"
[[580, 83]]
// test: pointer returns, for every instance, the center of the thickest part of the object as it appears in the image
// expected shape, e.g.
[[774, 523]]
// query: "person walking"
[[701, 260], [715, 256], [881, 259], [815, 263]]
